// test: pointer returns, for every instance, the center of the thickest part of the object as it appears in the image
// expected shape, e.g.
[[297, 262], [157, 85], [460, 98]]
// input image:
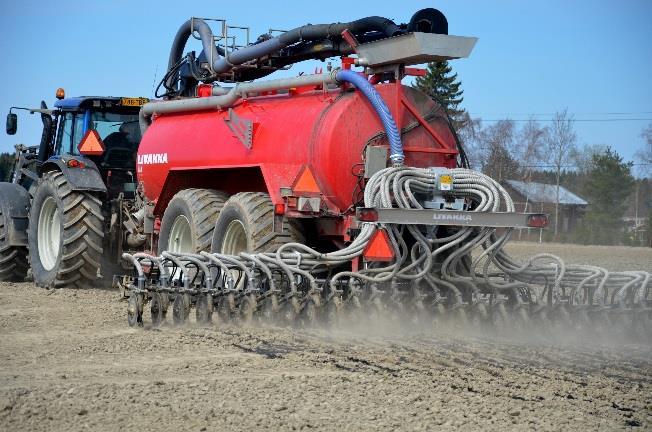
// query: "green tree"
[[441, 84], [608, 186], [6, 165]]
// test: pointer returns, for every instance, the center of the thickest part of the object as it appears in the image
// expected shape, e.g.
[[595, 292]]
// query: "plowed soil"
[[68, 361]]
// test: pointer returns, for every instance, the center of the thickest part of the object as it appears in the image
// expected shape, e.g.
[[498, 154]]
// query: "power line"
[[552, 113], [572, 165], [571, 120]]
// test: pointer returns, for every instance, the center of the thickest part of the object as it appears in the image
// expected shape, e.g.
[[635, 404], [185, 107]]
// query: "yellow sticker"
[[445, 182]]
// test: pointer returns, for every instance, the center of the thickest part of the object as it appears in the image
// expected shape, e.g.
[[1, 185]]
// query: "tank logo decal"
[[452, 217], [152, 158]]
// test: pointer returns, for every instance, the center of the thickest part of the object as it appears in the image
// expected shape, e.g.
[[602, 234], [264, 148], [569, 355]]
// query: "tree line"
[[551, 153], [6, 166]]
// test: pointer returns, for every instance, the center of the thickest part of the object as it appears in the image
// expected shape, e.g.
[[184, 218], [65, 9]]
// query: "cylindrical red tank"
[[326, 131]]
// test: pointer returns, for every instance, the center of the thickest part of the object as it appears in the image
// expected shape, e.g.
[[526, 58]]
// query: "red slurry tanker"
[[306, 197], [309, 130]]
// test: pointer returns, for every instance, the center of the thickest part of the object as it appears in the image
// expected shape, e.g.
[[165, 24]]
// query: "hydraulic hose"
[[393, 135], [179, 43], [310, 32]]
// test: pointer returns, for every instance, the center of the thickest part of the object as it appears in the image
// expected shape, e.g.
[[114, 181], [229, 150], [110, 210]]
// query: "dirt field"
[[69, 362]]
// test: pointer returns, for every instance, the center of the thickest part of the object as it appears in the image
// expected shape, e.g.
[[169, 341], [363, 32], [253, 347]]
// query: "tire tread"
[[258, 210], [82, 235], [13, 259], [205, 206]]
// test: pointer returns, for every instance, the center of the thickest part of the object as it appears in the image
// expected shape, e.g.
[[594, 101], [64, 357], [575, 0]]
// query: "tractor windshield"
[[117, 130]]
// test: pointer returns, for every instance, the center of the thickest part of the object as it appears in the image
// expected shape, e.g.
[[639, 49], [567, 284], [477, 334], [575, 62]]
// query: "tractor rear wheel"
[[189, 220], [246, 224], [13, 259], [66, 229]]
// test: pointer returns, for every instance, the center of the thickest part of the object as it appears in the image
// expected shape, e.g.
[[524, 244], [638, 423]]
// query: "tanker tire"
[[200, 207], [254, 212], [81, 232], [13, 259]]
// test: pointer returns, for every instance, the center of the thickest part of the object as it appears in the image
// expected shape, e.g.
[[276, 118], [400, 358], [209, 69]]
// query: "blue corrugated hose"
[[393, 135]]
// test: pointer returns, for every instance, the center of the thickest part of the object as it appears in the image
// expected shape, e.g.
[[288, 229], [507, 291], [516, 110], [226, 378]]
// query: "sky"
[[532, 58]]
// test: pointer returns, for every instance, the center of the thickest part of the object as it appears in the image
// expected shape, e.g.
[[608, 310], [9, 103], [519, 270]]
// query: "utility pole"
[[638, 184]]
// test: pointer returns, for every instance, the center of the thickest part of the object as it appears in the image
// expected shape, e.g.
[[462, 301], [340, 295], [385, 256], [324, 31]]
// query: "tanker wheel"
[[13, 259], [246, 224], [189, 219], [65, 234]]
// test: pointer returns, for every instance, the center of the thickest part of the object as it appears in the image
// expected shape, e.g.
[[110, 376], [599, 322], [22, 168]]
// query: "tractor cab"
[[94, 132], [104, 128]]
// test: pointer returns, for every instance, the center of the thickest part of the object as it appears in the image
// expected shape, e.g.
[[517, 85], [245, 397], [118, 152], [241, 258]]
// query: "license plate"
[[133, 102]]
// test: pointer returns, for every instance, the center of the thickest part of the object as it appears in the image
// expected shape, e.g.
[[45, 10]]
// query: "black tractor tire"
[[200, 208], [13, 259], [254, 212], [80, 234]]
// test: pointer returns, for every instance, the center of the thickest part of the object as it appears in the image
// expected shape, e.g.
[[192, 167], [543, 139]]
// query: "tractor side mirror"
[[12, 123]]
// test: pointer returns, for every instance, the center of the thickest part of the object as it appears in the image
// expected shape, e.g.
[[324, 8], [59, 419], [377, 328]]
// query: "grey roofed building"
[[545, 193], [541, 197]]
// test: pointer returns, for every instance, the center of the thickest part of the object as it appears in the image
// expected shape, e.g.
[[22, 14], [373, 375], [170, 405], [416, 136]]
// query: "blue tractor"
[[71, 203]]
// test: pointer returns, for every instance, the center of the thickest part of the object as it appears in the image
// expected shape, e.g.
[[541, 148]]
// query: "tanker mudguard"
[[14, 206], [87, 178]]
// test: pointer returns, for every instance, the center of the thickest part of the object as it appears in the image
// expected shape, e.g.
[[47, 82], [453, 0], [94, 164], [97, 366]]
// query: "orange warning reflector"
[[305, 183], [91, 144], [379, 247]]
